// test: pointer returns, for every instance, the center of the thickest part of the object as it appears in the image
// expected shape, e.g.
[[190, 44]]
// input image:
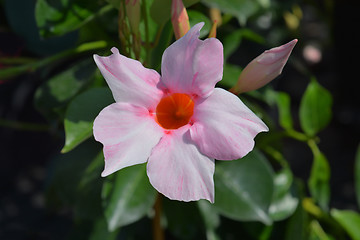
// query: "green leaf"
[[211, 219], [183, 220], [319, 180], [233, 40], [315, 108], [196, 17], [100, 231], [357, 175], [127, 196], [283, 104], [231, 75], [160, 10], [349, 220], [284, 202], [244, 188], [297, 225], [57, 17], [74, 178], [241, 9], [58, 90], [81, 113]]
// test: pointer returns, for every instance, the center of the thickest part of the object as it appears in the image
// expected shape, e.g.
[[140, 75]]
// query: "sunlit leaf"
[[81, 113], [349, 220], [244, 188], [315, 108], [127, 196]]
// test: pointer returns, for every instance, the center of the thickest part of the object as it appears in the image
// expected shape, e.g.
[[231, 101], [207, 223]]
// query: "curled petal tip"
[[264, 68]]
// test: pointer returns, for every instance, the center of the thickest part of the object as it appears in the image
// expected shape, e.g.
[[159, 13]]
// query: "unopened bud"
[[264, 68], [179, 18]]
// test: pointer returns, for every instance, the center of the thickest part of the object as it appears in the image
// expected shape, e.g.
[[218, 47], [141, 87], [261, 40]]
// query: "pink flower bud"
[[264, 68], [212, 33], [179, 18]]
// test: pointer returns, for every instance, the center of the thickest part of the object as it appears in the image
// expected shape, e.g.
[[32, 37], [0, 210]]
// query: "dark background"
[[24, 155]]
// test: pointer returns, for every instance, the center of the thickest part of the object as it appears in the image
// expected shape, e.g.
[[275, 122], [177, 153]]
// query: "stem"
[[14, 71], [158, 232], [147, 40]]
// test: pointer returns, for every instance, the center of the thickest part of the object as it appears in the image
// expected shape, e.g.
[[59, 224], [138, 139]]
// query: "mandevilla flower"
[[177, 122]]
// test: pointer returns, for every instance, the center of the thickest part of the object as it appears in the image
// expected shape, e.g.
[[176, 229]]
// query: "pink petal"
[[191, 65], [178, 170], [129, 80], [224, 128], [264, 68], [128, 133]]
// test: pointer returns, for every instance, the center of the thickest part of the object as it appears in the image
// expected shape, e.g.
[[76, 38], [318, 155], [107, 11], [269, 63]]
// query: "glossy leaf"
[[284, 202], [357, 175], [349, 220], [81, 113], [241, 9], [319, 180], [58, 90], [315, 108], [233, 40], [196, 17], [230, 75], [244, 188], [58, 17], [127, 196]]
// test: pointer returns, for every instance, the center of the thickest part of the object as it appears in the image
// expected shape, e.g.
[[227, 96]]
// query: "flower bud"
[[212, 33], [179, 18], [264, 68]]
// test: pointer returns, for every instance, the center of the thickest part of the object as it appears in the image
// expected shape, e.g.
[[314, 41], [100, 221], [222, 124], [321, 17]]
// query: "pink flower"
[[264, 68], [178, 122]]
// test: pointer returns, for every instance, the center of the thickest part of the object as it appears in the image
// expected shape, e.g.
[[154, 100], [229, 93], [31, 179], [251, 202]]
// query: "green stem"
[[147, 37], [33, 66]]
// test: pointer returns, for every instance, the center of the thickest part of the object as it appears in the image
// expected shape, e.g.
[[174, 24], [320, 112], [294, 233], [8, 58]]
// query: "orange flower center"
[[174, 111]]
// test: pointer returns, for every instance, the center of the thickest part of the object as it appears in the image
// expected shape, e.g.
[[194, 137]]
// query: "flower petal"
[[128, 133], [224, 128], [264, 68], [129, 80], [191, 65], [178, 170]]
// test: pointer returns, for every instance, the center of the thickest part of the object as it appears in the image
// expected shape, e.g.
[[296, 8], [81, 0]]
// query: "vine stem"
[[158, 231]]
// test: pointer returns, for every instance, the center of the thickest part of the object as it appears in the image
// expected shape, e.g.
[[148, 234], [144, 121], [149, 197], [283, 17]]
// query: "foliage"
[[257, 197]]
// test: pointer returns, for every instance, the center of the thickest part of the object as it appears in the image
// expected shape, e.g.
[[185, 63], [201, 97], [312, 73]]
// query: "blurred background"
[[327, 49]]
